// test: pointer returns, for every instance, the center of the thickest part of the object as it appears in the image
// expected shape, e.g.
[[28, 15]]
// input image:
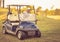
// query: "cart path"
[[57, 17]]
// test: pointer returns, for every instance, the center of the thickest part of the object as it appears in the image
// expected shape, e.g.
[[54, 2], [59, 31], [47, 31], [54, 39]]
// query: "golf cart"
[[22, 24]]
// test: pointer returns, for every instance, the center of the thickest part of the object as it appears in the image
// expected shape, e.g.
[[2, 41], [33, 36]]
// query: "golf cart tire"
[[38, 34], [4, 30], [20, 35]]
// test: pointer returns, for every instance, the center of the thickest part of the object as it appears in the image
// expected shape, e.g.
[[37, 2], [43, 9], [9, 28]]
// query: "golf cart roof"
[[18, 5]]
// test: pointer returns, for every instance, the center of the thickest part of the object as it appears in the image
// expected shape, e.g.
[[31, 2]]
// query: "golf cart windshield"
[[27, 17]]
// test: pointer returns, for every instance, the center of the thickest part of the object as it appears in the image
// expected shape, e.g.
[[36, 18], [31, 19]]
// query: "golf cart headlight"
[[37, 27], [21, 26]]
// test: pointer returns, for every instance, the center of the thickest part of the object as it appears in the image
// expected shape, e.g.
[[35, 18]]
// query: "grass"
[[50, 31]]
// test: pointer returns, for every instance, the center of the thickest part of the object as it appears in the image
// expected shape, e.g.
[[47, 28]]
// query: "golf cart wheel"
[[20, 35], [38, 34], [4, 30]]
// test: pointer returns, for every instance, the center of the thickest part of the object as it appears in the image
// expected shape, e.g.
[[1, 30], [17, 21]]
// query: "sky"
[[43, 3]]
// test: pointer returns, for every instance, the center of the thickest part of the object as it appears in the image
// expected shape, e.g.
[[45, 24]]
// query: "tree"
[[3, 3], [57, 12], [46, 12], [0, 3], [38, 10]]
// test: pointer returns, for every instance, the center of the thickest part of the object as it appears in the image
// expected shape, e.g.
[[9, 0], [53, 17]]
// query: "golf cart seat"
[[13, 19]]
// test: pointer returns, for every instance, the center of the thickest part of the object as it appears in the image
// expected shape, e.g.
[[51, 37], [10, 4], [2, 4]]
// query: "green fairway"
[[50, 32]]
